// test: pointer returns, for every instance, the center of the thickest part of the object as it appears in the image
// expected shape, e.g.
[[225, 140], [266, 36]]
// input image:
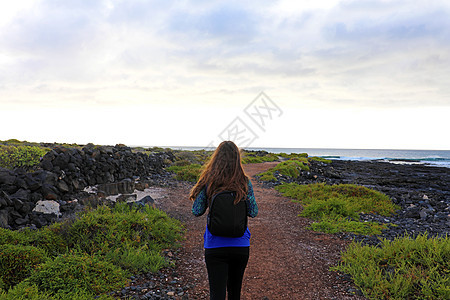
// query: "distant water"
[[440, 158]]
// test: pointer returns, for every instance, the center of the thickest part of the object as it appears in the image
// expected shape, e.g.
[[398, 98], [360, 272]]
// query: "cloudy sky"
[[336, 74]]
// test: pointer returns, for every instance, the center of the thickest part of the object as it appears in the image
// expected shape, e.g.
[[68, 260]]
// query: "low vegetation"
[[28, 157], [189, 172], [85, 257], [291, 168], [405, 268], [18, 262], [336, 208], [254, 157], [320, 159], [293, 155]]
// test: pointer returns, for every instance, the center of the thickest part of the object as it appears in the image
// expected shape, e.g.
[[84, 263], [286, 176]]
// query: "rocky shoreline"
[[422, 192]]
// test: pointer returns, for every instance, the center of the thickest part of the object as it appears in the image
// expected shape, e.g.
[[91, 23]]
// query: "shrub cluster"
[[291, 168], [87, 256], [17, 263], [293, 155], [336, 208], [321, 159], [18, 156], [252, 157], [405, 268], [189, 172]]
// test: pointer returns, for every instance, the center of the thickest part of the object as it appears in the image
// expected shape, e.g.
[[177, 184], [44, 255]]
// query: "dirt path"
[[287, 261]]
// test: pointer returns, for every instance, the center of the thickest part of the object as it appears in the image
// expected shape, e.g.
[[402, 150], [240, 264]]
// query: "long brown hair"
[[223, 172]]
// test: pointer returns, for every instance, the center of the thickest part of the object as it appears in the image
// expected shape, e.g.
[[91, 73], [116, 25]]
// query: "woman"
[[226, 257]]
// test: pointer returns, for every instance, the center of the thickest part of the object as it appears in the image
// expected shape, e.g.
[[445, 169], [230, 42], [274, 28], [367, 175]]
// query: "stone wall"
[[65, 172]]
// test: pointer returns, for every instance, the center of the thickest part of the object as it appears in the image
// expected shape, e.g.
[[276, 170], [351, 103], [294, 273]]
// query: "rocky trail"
[[287, 261]]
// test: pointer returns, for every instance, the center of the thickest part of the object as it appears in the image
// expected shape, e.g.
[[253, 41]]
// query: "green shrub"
[[339, 224], [358, 198], [46, 238], [321, 159], [106, 239], [198, 157], [267, 176], [405, 268], [124, 232], [72, 272], [337, 207], [294, 155], [25, 291], [20, 156], [187, 172], [291, 168], [252, 157], [17, 262], [181, 163], [136, 259], [332, 207]]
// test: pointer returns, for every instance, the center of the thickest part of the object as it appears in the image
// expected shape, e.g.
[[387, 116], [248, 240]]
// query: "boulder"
[[147, 200], [62, 186], [32, 184], [21, 221], [47, 207], [3, 202], [6, 198], [126, 198], [46, 165], [17, 204], [49, 192], [21, 194], [4, 218], [7, 177]]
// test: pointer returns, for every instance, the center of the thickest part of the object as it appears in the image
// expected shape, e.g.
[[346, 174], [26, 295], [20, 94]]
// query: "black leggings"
[[226, 268]]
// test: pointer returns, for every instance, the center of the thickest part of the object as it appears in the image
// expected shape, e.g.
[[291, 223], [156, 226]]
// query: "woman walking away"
[[226, 253]]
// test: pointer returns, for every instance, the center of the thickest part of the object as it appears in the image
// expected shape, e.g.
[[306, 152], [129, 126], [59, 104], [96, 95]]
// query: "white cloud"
[[324, 54]]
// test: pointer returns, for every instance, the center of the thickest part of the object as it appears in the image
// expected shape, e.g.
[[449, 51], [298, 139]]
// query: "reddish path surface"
[[287, 261]]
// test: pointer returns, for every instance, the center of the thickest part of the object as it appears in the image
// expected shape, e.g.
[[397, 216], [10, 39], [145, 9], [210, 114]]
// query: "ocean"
[[438, 158]]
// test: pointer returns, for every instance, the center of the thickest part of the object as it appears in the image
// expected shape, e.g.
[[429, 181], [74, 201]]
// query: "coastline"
[[421, 192], [434, 158]]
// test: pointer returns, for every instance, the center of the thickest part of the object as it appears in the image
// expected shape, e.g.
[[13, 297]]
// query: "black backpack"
[[226, 218]]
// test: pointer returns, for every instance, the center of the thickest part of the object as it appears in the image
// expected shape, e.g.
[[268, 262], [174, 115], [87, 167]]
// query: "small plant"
[[136, 259], [194, 157], [122, 234], [294, 155], [46, 238], [405, 268], [267, 176], [15, 156], [339, 224], [190, 172], [72, 272], [252, 157], [336, 208], [18, 262], [25, 291], [321, 159], [291, 168]]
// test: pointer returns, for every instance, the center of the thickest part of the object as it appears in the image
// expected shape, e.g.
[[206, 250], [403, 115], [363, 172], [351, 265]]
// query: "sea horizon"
[[440, 158]]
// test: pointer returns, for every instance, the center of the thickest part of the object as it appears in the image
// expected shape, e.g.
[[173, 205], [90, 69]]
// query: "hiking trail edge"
[[287, 261]]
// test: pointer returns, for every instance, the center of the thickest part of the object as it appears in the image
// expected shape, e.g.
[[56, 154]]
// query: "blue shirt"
[[214, 241]]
